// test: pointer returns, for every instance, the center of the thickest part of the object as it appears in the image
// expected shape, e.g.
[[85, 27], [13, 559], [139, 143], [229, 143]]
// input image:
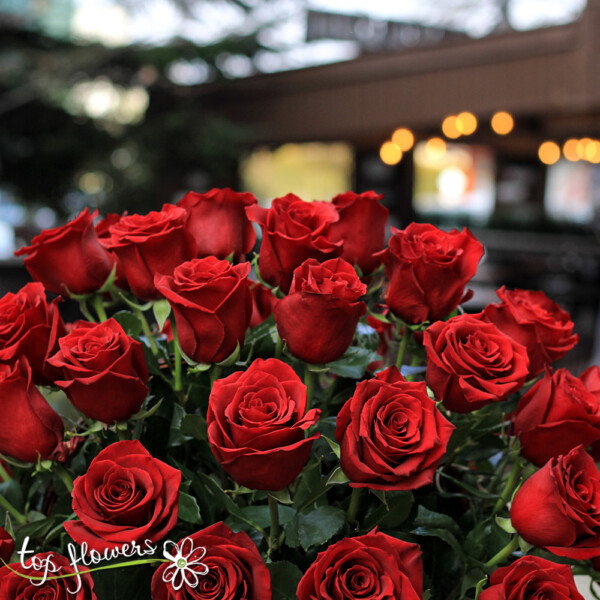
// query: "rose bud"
[[391, 434], [30, 327], [557, 507], [236, 569], [555, 415], [536, 322], [7, 545], [428, 270], [371, 567], [218, 222], [125, 496], [293, 230], [149, 245], [69, 259], [318, 319], [532, 577], [104, 373], [256, 423], [263, 303], [212, 305], [23, 582], [361, 228], [29, 428], [471, 363], [103, 232]]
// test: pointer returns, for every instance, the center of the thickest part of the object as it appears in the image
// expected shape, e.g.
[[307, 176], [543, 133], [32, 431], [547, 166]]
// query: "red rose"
[[392, 436], [49, 564], [557, 507], [29, 428], [7, 545], [69, 258], [591, 379], [318, 319], [104, 372], [218, 222], [256, 423], [361, 228], [149, 245], [428, 270], [30, 327], [212, 305], [236, 570], [371, 567], [555, 415], [531, 577], [125, 496], [293, 230], [471, 363], [535, 321], [263, 303], [103, 232]]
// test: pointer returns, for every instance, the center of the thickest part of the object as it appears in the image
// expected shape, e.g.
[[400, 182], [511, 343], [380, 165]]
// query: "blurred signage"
[[374, 34]]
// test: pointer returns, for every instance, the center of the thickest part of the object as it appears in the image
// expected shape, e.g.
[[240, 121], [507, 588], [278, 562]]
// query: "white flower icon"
[[186, 563]]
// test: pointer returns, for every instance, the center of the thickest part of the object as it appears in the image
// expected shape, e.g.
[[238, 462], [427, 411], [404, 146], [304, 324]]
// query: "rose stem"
[[309, 382], [504, 553], [509, 488], [86, 313], [146, 329], [99, 307], [19, 518], [63, 476], [215, 373], [274, 532], [402, 347], [278, 347], [4, 476], [353, 508], [177, 358]]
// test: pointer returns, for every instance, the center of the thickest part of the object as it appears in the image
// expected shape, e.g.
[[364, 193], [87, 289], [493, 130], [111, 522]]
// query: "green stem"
[[122, 435], [178, 387], [402, 347], [63, 476], [4, 476], [504, 553], [278, 347], [99, 307], [275, 528], [309, 382], [509, 488], [215, 373], [353, 508], [19, 518], [146, 329], [86, 313]]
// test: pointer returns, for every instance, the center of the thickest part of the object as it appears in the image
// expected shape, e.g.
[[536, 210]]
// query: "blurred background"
[[478, 113]]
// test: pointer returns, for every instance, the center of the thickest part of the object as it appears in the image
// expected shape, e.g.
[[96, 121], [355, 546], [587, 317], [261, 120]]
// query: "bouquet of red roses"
[[318, 421]]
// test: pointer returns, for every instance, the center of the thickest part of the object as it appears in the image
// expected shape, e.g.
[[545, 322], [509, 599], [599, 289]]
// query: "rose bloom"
[[103, 232], [532, 577], [256, 423], [149, 245], [471, 363], [17, 587], [104, 372], [29, 428], [555, 415], [558, 507], [318, 318], [293, 230], [263, 302], [69, 259], [125, 496], [30, 327], [7, 545], [428, 270], [535, 321], [236, 570], [212, 305], [392, 436], [361, 228], [371, 567], [218, 222]]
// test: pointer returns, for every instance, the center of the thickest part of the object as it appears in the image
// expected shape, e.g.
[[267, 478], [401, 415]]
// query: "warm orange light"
[[403, 138], [570, 148], [466, 122], [435, 148], [592, 152], [502, 123], [390, 154], [450, 127], [549, 152]]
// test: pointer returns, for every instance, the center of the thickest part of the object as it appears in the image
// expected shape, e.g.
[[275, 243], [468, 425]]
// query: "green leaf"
[[285, 577], [337, 476], [432, 519], [354, 362], [161, 310], [261, 515], [505, 524], [176, 436], [524, 546], [189, 511], [335, 447], [194, 426], [442, 534], [320, 525], [392, 514], [144, 414], [282, 496]]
